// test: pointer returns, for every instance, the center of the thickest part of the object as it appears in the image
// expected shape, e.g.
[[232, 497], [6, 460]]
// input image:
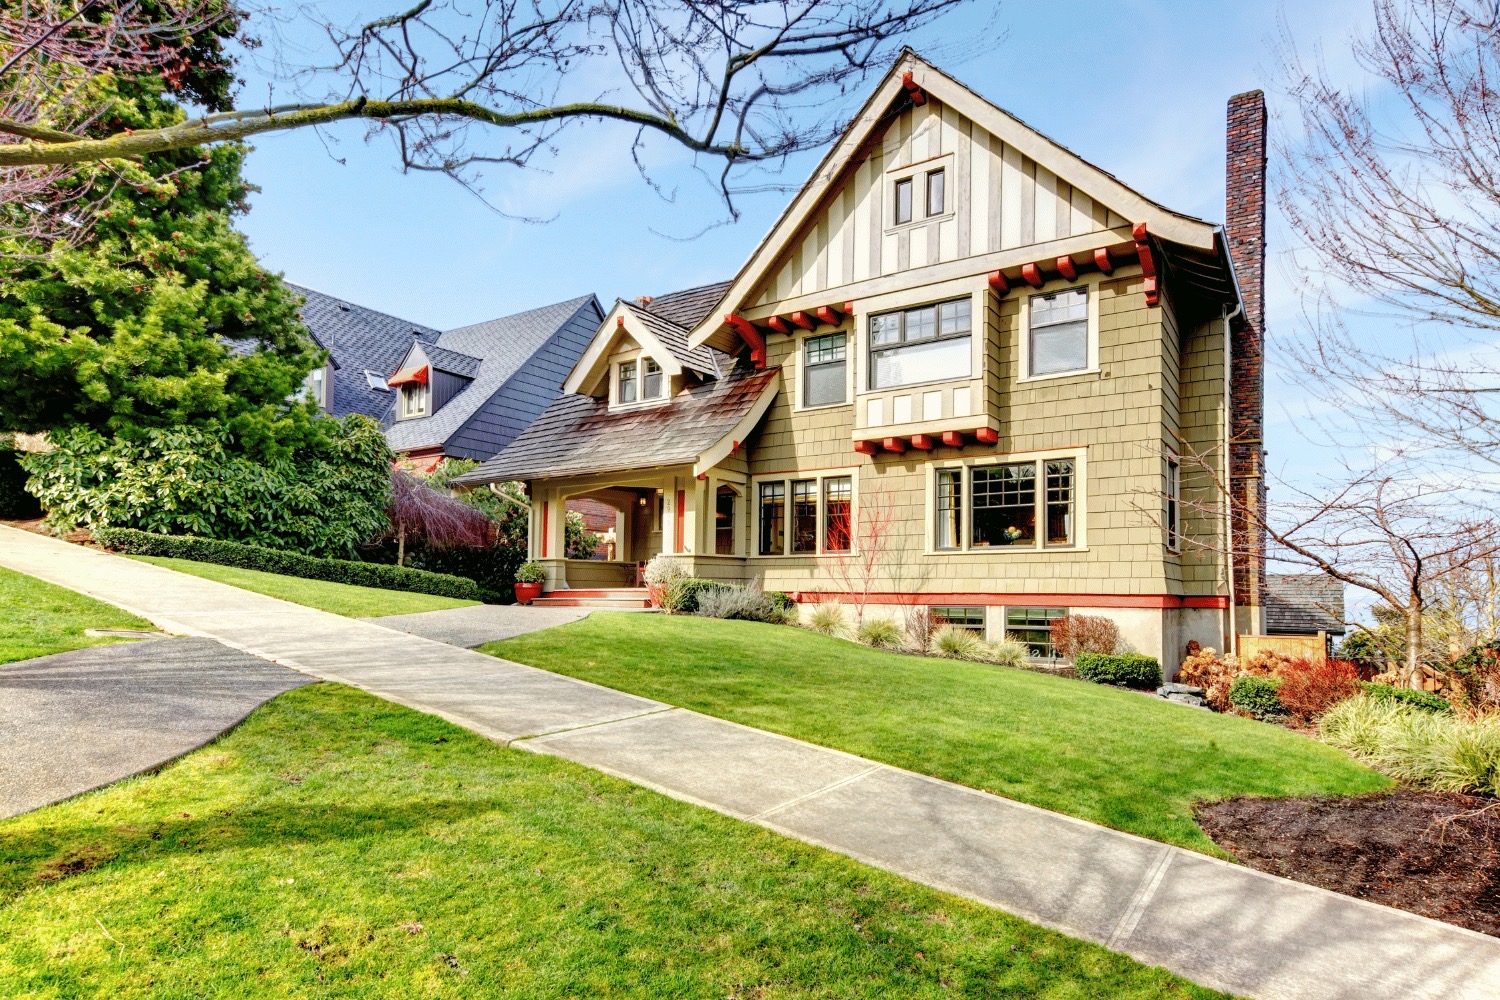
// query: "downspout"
[[1232, 632]]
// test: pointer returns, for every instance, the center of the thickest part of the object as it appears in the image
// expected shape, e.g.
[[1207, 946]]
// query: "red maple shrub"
[[1073, 635], [1311, 687]]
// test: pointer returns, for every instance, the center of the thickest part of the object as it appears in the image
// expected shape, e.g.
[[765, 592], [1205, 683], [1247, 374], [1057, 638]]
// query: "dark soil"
[[1433, 853]]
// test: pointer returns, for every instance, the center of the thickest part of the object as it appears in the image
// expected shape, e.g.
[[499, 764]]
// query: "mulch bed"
[[1393, 848]]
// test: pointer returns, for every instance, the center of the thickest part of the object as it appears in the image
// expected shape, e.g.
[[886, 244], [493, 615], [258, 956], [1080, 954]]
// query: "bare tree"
[[462, 85], [869, 534]]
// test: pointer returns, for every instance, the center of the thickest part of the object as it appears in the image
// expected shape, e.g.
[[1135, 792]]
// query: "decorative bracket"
[[913, 89], [1148, 264], [751, 336]]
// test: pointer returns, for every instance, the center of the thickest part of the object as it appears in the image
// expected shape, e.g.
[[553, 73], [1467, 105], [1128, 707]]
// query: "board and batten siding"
[[1000, 199]]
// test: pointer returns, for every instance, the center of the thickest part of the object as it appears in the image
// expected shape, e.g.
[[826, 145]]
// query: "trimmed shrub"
[[956, 644], [360, 574], [882, 633], [783, 602], [1075, 635], [1007, 654], [749, 604], [1406, 696], [1257, 697], [1129, 670], [1436, 750], [829, 618], [1310, 688]]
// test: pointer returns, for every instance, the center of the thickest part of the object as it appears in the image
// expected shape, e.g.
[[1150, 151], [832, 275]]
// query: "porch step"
[[620, 597]]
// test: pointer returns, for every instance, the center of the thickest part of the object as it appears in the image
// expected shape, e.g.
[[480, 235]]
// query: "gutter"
[[1232, 632]]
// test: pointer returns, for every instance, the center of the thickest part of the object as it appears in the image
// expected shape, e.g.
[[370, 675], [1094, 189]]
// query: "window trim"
[[404, 410], [1091, 283], [820, 478], [1005, 629], [868, 319], [800, 402], [915, 172], [1078, 456]]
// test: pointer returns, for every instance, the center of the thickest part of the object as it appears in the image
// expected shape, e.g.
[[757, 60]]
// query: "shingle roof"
[[688, 307], [451, 362], [358, 339], [501, 346], [1303, 604], [704, 360], [577, 434]]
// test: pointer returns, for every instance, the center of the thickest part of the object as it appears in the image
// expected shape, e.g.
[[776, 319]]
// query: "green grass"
[[340, 598], [340, 846], [1114, 757], [37, 618]]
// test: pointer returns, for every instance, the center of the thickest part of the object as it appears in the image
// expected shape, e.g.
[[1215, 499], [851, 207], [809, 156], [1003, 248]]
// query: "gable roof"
[[452, 362], [1304, 604], [661, 338], [873, 117], [494, 350], [357, 339], [688, 307], [578, 434]]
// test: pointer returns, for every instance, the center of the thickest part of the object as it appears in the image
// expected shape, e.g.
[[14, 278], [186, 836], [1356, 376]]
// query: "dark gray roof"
[[704, 360], [451, 362], [501, 346], [1304, 604], [688, 307], [577, 434], [357, 339]]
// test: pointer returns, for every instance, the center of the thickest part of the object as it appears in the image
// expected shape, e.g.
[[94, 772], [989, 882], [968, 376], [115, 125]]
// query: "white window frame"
[[408, 392], [1090, 283], [917, 174], [976, 325], [634, 364], [966, 547], [850, 350], [636, 356], [819, 477]]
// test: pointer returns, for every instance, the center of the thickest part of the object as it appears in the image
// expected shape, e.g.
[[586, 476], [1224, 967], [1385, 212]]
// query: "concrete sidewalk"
[[1218, 924], [480, 623]]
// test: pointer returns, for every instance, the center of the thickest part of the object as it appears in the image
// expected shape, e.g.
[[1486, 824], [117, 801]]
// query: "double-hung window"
[[628, 385], [414, 399], [651, 379], [1059, 332], [825, 366], [772, 518], [1016, 504], [812, 516], [925, 344]]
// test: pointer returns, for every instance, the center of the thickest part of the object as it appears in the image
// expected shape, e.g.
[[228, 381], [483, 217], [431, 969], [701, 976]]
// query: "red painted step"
[[618, 597]]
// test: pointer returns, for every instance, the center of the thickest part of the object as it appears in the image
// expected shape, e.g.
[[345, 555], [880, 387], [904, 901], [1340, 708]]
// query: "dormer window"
[[651, 382], [628, 386], [414, 397]]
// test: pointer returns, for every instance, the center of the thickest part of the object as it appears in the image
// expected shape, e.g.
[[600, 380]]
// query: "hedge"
[[1407, 696], [1130, 670], [1257, 697], [360, 574]]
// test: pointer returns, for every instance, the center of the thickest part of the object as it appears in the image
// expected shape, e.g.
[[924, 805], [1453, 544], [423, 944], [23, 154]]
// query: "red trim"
[[867, 447], [751, 336], [922, 442], [681, 521], [803, 320], [829, 315], [987, 435], [417, 375], [1032, 274], [894, 444], [1102, 261], [998, 283], [913, 89], [1067, 268], [1148, 263], [546, 517], [1162, 601], [953, 439], [620, 322], [778, 324]]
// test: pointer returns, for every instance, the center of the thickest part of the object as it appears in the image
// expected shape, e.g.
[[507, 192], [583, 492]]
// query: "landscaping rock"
[[1168, 689], [1187, 699]]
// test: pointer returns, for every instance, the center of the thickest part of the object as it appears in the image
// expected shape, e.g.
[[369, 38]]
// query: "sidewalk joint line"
[[815, 792], [569, 731], [1137, 908]]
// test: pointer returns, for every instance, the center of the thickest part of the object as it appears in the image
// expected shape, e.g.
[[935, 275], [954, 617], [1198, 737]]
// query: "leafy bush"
[[829, 618], [326, 499], [1075, 635], [1130, 670], [882, 633], [1436, 750], [223, 553], [1309, 687], [1007, 654], [1408, 696], [956, 644], [1476, 676], [783, 602], [1215, 674], [691, 591], [1257, 697], [531, 572]]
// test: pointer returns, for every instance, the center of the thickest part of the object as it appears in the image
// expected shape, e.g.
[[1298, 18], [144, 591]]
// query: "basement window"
[[1032, 627]]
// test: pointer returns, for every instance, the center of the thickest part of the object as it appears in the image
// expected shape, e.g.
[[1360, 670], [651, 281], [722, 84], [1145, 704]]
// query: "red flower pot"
[[527, 592]]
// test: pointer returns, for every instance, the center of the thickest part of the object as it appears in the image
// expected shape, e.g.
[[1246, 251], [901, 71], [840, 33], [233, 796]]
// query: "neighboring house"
[[465, 393], [1304, 604], [964, 358]]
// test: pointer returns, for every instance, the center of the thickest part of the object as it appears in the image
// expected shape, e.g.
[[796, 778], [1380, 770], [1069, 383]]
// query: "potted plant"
[[529, 579]]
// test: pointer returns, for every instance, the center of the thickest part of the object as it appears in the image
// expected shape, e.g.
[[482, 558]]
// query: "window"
[[1174, 503], [413, 399], [651, 379], [903, 201], [968, 619], [1004, 504], [724, 513], [772, 518], [1060, 502], [627, 382], [316, 387], [935, 182], [1032, 627], [805, 515], [376, 381], [1059, 337], [924, 344], [824, 366], [838, 500], [950, 502]]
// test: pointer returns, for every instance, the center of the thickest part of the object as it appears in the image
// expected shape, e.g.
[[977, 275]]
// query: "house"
[[958, 374], [463, 393], [1304, 604]]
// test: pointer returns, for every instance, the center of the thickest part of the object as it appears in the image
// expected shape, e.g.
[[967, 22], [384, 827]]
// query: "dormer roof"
[[662, 339]]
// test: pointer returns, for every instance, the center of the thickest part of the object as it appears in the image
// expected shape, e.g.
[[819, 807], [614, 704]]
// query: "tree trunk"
[[401, 546], [1414, 647]]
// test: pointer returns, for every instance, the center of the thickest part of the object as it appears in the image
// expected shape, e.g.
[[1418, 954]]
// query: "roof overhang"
[[730, 443]]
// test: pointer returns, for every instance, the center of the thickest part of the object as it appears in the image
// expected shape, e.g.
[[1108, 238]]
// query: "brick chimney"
[[1245, 231]]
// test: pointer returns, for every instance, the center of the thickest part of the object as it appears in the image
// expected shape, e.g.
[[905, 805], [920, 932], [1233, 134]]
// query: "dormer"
[[428, 377], [639, 360]]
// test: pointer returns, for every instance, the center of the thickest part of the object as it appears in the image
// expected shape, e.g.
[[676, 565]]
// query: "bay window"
[[924, 344], [805, 515], [838, 507], [1003, 498], [950, 500]]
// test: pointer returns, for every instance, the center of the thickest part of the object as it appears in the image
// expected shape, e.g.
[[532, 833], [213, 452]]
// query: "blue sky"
[[1136, 87]]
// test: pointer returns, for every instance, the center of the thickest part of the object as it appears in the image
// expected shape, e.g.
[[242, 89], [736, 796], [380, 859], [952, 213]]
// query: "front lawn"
[[37, 618], [339, 598], [339, 846], [1114, 757]]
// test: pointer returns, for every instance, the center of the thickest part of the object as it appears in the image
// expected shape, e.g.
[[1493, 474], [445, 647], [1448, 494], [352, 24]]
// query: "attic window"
[[935, 185], [903, 201], [376, 381], [627, 382], [651, 379]]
